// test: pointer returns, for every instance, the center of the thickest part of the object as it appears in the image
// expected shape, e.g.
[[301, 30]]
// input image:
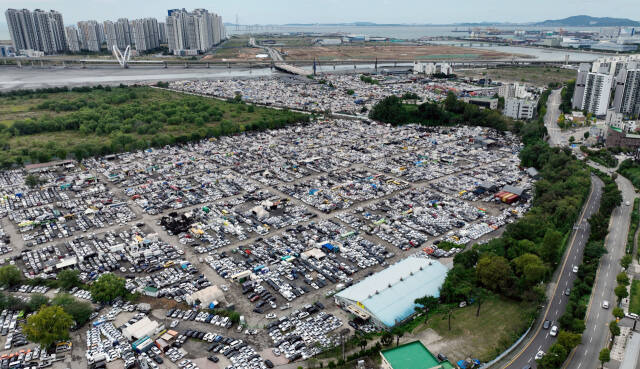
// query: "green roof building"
[[412, 355]]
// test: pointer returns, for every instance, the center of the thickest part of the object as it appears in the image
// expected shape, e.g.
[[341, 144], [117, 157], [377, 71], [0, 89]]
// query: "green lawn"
[[634, 300], [40, 127], [500, 324]]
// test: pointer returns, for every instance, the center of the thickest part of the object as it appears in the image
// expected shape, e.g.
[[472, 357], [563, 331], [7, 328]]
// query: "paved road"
[[551, 118], [541, 340], [596, 334]]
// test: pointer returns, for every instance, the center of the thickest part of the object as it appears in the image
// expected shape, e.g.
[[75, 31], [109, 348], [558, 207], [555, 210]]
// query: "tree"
[[49, 325], [604, 357], [79, 311], [36, 301], [398, 332], [32, 181], [586, 135], [614, 328], [569, 340], [480, 295], [572, 139], [626, 261], [494, 272], [618, 312], [108, 287], [10, 275], [386, 339], [551, 246], [622, 279], [427, 303], [621, 292], [69, 278]]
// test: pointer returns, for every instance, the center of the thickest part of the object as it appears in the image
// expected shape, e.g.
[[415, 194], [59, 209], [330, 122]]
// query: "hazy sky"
[[337, 11]]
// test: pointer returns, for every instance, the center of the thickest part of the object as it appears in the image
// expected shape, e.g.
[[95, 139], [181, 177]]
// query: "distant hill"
[[587, 21]]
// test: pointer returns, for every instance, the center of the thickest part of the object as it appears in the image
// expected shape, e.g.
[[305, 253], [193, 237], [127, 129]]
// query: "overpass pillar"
[[19, 64], [84, 66], [334, 66], [207, 65], [186, 65], [229, 65]]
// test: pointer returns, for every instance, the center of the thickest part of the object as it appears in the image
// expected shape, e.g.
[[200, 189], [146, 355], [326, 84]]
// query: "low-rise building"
[[412, 355], [520, 108]]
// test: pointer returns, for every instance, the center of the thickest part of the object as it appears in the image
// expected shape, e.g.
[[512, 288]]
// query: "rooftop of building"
[[389, 295], [412, 355]]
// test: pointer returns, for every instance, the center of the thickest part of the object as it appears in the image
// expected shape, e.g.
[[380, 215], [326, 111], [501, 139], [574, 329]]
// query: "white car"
[[554, 331], [605, 304], [539, 355], [271, 316], [575, 269]]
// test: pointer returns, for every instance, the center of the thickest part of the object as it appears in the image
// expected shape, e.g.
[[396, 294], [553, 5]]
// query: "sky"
[[339, 11]]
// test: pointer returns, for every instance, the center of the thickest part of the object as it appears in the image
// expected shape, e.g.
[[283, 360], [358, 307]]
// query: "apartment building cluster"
[[39, 32], [432, 68], [609, 83], [519, 103], [190, 33]]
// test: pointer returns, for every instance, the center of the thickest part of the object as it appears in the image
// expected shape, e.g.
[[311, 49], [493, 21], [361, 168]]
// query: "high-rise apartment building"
[[597, 93], [117, 33], [162, 32], [89, 38], [581, 82], [145, 34], [627, 90], [38, 30], [193, 32], [73, 41]]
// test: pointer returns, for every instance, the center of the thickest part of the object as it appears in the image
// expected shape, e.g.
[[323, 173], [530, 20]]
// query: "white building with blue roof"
[[387, 297]]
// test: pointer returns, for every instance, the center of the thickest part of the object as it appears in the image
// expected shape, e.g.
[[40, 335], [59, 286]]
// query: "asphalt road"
[[541, 339], [551, 118], [596, 334]]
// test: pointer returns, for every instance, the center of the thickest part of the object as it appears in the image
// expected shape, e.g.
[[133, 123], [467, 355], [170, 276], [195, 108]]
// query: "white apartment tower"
[[627, 90], [38, 30], [73, 41], [597, 92], [145, 34], [89, 38], [196, 31]]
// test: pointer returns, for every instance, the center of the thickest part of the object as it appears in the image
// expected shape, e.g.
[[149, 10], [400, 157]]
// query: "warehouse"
[[387, 297], [206, 297], [142, 328]]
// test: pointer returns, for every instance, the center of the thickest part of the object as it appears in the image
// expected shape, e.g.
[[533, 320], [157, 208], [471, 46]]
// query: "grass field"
[[634, 300], [44, 126], [500, 324], [539, 76]]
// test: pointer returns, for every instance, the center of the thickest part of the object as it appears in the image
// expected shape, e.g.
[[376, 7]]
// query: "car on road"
[[575, 269], [546, 324], [567, 291], [628, 203], [539, 355], [554, 331], [605, 304]]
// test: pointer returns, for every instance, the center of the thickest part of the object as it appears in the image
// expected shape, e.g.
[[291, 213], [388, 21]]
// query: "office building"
[[89, 39], [627, 90], [73, 40], [519, 108], [193, 32], [145, 34], [38, 30]]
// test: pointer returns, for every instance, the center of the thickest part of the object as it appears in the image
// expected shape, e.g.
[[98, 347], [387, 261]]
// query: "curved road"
[[541, 340], [596, 334]]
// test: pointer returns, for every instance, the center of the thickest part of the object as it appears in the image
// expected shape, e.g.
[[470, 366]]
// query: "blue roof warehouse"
[[387, 297]]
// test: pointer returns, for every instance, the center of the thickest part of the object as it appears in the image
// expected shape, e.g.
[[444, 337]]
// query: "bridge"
[[291, 66]]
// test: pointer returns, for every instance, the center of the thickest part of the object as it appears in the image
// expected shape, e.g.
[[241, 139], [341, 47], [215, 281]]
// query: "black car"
[[268, 363], [546, 324], [158, 359], [442, 357], [213, 358]]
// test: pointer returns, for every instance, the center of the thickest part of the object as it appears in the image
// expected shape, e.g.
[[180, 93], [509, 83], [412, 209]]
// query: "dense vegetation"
[[453, 111], [567, 95], [41, 125], [631, 170], [603, 156]]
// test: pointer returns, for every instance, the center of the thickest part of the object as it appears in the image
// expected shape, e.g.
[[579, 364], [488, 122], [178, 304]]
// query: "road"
[[541, 340], [596, 334], [551, 118]]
